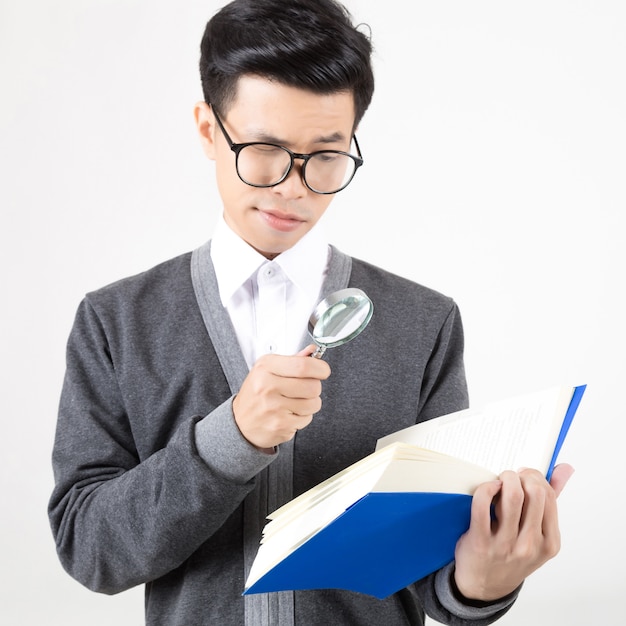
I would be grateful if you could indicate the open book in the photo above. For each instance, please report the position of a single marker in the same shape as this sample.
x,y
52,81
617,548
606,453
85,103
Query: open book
x,y
396,515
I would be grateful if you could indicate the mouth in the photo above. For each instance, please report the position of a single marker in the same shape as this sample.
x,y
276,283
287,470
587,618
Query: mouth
x,y
283,222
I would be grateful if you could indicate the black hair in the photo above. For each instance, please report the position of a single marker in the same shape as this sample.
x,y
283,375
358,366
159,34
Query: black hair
x,y
308,44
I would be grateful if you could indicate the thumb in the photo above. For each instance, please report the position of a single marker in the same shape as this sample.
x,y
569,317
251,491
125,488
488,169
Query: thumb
x,y
308,351
560,475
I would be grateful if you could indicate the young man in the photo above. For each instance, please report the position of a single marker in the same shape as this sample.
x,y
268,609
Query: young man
x,y
191,407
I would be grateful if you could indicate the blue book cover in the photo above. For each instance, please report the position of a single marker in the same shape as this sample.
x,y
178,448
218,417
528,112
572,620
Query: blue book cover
x,y
381,544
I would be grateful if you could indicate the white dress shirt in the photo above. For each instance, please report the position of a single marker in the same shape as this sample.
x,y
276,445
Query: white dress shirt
x,y
269,302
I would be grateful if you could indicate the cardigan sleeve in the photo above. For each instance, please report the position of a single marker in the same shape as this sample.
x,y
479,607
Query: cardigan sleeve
x,y
119,521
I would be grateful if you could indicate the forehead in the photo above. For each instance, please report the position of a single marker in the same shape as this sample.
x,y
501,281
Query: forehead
x,y
272,106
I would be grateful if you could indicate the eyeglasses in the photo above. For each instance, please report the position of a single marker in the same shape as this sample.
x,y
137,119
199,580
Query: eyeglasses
x,y
261,164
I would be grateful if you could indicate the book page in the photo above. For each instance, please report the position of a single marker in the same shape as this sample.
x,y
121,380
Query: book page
x,y
514,433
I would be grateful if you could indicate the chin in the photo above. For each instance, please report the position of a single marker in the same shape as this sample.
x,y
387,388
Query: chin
x,y
272,251
271,254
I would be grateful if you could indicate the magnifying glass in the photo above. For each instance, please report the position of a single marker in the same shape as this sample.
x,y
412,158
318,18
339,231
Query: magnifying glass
x,y
339,318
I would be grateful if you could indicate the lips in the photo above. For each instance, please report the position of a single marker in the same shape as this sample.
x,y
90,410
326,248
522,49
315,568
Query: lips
x,y
284,222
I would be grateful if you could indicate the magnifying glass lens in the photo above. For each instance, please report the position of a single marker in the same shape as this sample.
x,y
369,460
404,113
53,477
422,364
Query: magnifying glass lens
x,y
339,318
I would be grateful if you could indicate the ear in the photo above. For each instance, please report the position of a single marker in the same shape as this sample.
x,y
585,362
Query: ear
x,y
205,123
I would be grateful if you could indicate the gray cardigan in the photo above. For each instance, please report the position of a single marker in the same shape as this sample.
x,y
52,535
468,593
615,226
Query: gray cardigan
x,y
154,483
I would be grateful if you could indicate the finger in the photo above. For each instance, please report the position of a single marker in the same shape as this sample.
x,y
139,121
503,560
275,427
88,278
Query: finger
x,y
304,408
297,366
539,529
308,351
299,388
535,494
300,422
509,507
550,527
560,476
480,521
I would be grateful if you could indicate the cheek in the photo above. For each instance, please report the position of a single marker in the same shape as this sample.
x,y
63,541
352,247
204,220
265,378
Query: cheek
x,y
229,184
321,205
238,201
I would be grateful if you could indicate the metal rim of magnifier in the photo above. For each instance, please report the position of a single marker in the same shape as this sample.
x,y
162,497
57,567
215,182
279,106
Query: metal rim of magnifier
x,y
336,298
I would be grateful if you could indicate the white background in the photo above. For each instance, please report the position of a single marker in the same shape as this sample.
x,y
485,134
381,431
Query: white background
x,y
495,172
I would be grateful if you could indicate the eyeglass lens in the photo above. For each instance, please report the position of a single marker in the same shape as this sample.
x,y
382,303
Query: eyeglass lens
x,y
266,165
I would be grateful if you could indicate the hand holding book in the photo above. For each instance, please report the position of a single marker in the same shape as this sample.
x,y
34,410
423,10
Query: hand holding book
x,y
501,549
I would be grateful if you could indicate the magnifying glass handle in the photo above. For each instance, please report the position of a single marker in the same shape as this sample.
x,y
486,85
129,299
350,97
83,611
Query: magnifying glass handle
x,y
319,352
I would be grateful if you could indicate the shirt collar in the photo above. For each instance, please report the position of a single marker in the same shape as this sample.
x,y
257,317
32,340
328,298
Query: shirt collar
x,y
235,261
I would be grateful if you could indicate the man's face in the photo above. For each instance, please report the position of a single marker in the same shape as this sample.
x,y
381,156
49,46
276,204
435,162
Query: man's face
x,y
274,219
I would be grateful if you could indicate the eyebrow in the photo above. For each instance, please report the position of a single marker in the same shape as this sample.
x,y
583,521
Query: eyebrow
x,y
265,137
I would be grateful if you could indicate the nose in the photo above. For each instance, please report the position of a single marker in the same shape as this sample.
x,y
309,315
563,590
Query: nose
x,y
293,186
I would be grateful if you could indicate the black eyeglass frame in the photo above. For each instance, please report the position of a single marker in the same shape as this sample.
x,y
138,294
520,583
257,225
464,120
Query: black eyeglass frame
x,y
238,147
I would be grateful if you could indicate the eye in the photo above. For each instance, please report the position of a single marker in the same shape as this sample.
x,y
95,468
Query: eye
x,y
265,149
327,157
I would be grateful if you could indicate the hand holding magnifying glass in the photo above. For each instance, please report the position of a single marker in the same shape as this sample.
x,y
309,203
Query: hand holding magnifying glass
x,y
339,318
292,400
